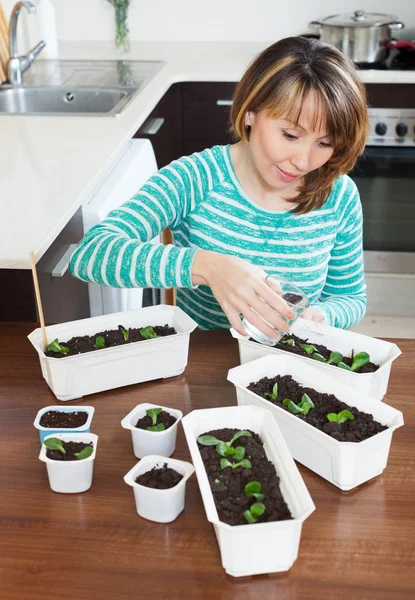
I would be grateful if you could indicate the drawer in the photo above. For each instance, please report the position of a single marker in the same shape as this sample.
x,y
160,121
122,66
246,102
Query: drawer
x,y
206,109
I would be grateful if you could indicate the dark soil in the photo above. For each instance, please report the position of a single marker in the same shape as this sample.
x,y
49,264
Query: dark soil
x,y
228,485
70,447
325,352
363,426
292,298
63,420
160,478
164,417
112,337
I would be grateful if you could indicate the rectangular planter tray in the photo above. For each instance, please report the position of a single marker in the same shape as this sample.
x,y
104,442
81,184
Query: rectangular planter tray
x,y
381,353
76,376
345,464
262,547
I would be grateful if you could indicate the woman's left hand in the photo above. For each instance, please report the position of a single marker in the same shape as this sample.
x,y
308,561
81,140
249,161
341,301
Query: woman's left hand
x,y
313,314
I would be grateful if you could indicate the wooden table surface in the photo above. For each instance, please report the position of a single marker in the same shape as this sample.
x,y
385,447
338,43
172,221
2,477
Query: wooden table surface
x,y
357,545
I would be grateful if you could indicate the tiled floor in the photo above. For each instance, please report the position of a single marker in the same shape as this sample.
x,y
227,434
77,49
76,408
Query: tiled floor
x,y
386,327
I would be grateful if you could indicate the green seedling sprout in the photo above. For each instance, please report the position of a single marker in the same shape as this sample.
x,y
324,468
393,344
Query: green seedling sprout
x,y
126,334
252,515
246,464
99,342
54,444
217,481
309,348
148,333
225,448
290,342
274,394
303,407
253,488
85,453
341,417
335,358
318,356
55,346
360,360
153,413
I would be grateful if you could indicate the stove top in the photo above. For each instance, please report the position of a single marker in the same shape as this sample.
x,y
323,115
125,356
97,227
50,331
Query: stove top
x,y
398,60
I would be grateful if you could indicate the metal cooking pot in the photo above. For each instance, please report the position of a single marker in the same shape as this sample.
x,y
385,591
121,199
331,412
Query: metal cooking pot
x,y
363,37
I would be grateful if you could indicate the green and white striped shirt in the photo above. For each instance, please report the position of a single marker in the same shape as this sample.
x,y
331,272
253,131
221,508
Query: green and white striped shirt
x,y
200,198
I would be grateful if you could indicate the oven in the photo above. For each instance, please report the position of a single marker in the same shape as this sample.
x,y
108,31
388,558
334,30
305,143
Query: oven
x,y
385,177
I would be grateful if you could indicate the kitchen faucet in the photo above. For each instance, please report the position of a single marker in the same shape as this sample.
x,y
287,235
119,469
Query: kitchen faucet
x,y
19,64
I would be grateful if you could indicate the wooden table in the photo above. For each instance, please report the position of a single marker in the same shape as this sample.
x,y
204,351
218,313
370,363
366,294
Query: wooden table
x,y
357,545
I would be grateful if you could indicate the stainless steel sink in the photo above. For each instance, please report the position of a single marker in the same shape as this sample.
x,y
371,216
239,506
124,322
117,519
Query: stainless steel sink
x,y
63,101
77,87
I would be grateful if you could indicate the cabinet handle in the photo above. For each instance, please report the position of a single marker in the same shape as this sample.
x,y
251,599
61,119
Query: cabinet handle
x,y
152,126
224,102
62,265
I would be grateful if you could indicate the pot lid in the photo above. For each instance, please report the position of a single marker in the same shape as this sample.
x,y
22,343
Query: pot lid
x,y
359,18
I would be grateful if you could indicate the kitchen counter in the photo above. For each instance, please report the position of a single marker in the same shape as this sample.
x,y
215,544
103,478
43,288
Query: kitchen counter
x,y
357,544
49,165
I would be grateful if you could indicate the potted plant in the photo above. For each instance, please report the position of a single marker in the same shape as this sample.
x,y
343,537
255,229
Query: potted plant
x,y
106,368
341,347
345,464
153,429
69,459
159,485
253,547
63,419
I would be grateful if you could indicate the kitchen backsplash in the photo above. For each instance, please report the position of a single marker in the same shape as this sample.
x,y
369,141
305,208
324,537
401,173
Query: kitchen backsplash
x,y
215,20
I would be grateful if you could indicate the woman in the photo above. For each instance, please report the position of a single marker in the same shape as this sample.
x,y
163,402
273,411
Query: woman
x,y
276,202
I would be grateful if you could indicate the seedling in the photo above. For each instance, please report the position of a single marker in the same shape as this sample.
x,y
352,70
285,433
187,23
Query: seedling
x,y
290,342
308,348
225,448
335,358
302,407
252,515
253,488
318,356
246,464
99,342
125,332
274,394
360,360
56,444
55,346
148,333
341,417
153,413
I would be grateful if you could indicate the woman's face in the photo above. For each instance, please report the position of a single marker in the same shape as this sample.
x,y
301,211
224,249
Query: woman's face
x,y
282,152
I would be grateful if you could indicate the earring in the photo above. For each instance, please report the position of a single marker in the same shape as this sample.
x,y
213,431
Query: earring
x,y
247,121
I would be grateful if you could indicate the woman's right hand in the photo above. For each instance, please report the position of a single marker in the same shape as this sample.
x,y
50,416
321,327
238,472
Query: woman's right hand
x,y
238,286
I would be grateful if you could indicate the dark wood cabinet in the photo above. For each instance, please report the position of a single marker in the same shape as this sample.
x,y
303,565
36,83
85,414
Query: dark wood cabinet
x,y
164,127
63,298
206,107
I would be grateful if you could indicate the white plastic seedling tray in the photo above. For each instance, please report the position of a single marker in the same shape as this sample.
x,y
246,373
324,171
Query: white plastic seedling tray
x,y
345,464
146,442
162,506
72,476
262,547
76,376
381,353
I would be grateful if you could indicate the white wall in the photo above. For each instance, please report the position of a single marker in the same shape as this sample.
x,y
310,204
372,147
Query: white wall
x,y
213,20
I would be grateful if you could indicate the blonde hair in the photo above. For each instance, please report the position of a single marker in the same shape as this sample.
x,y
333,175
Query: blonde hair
x,y
279,80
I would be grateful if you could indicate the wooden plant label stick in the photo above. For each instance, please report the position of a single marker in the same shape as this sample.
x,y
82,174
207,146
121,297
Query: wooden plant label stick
x,y
38,300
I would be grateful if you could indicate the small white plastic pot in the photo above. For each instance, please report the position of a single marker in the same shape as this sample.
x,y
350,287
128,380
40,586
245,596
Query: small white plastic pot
x,y
146,442
262,547
45,431
74,476
82,374
345,464
162,506
381,353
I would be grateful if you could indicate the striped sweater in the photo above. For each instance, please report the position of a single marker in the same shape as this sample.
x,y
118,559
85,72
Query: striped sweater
x,y
200,198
